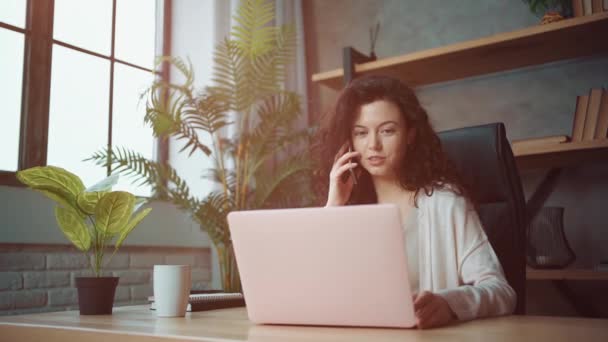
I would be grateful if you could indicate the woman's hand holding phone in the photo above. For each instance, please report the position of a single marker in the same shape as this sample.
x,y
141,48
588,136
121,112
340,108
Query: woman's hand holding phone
x,y
342,177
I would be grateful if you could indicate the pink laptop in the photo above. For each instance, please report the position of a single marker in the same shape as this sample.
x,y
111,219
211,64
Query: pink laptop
x,y
340,266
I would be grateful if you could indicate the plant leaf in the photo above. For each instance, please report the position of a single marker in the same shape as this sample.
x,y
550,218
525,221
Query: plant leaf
x,y
62,202
211,214
113,212
254,36
139,201
130,226
73,227
87,201
56,180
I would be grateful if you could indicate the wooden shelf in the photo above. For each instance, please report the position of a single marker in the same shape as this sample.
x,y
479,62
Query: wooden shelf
x,y
566,274
566,39
557,155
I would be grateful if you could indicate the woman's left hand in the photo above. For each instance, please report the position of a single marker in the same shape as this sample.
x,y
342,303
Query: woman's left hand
x,y
432,311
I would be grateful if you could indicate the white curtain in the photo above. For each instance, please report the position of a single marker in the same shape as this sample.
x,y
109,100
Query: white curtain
x,y
287,12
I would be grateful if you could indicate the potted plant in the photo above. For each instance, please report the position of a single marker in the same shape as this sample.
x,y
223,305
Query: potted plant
x,y
90,219
265,164
550,10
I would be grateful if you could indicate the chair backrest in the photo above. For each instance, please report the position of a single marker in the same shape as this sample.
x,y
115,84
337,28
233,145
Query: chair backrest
x,y
483,156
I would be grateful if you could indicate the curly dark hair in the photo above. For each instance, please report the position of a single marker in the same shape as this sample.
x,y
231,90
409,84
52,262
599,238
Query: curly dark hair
x,y
428,167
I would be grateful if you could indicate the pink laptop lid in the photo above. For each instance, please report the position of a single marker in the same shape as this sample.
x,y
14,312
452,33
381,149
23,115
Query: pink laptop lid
x,y
324,266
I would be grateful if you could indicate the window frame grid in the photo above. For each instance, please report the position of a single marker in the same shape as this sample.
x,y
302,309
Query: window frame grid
x,y
36,84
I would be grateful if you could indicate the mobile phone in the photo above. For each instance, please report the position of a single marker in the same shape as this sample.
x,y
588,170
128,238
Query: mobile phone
x,y
352,172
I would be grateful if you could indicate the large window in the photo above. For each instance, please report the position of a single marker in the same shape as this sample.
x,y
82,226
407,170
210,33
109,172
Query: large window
x,y
12,37
93,59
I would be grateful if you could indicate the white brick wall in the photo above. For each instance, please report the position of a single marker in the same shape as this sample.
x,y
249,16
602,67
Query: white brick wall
x,y
40,278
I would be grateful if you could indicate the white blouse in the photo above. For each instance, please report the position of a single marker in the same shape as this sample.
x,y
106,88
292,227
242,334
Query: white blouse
x,y
454,257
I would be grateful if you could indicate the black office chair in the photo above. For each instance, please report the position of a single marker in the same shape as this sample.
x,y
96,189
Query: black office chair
x,y
484,158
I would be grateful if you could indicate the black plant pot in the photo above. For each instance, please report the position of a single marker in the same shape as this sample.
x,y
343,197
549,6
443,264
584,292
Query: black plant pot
x,y
96,295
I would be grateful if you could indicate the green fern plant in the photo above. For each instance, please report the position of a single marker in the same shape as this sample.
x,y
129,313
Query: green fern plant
x,y
264,165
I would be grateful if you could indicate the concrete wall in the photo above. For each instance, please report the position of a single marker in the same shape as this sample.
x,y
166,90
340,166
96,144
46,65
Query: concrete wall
x,y
534,101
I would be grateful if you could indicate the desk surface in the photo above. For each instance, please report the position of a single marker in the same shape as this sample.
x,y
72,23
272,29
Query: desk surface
x,y
138,323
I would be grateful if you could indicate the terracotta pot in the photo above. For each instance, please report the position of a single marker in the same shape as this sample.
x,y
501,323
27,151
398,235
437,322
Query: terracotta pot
x,y
96,295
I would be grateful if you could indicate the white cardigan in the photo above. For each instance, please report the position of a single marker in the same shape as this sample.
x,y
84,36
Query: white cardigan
x,y
456,260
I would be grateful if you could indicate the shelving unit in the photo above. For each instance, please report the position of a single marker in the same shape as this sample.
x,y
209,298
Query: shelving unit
x,y
566,39
566,274
563,40
558,155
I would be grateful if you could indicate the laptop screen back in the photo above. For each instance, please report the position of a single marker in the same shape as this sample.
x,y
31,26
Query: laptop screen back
x,y
324,266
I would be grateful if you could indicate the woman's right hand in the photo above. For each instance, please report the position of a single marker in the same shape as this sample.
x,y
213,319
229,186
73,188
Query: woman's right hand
x,y
339,190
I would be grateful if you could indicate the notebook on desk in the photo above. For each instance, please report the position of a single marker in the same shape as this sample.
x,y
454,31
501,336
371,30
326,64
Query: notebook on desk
x,y
209,300
339,266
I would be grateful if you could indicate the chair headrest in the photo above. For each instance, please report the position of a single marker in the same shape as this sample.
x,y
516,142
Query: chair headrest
x,y
478,152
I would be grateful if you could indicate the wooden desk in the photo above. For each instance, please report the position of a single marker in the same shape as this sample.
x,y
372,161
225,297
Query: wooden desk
x,y
137,323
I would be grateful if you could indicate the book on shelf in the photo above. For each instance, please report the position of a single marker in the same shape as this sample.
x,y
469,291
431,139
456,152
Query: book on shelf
x,y
209,301
593,110
578,124
540,141
601,131
587,7
597,6
577,8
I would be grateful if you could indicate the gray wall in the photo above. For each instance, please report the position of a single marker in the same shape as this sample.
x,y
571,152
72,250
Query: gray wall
x,y
534,101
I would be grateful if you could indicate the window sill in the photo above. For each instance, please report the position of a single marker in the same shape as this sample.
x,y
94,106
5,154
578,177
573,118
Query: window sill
x,y
27,217
9,178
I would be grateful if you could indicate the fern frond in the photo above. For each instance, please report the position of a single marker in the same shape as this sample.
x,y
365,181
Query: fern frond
x,y
211,214
166,183
266,186
215,175
270,69
273,129
210,114
188,133
252,33
184,67
163,116
233,83
177,190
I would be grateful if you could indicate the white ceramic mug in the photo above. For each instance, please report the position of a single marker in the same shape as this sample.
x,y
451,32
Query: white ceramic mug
x,y
171,289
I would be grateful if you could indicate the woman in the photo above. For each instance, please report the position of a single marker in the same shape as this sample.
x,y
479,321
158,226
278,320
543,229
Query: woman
x,y
387,152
